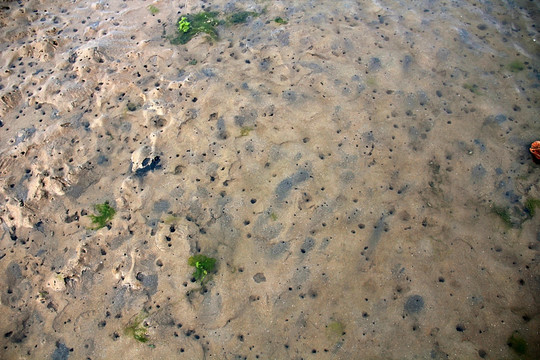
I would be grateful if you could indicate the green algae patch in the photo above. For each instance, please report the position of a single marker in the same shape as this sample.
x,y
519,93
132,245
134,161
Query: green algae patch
x,y
472,88
241,17
517,343
244,131
153,10
518,216
183,25
371,82
530,205
281,21
204,265
106,213
516,66
137,329
335,330
171,219
503,214
190,25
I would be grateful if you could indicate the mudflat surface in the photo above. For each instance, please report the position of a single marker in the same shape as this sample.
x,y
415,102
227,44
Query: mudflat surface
x,y
360,173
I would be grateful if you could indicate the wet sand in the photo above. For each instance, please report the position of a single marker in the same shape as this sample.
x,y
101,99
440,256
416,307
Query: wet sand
x,y
360,173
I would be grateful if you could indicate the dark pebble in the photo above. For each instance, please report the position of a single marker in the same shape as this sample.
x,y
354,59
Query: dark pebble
x,y
259,278
482,353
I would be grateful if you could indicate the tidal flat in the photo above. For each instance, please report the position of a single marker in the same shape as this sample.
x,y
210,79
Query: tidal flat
x,y
269,179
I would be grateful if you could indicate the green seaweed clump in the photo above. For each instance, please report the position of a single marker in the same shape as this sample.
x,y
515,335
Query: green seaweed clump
x,y
516,66
191,25
530,205
184,25
241,17
517,343
503,214
106,213
335,330
153,10
137,329
203,266
472,88
281,21
245,130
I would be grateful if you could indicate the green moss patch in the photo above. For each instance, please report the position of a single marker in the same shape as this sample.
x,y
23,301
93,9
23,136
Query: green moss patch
x,y
153,10
281,21
517,343
190,25
204,265
137,329
106,213
244,131
472,88
530,206
334,330
516,66
241,17
503,213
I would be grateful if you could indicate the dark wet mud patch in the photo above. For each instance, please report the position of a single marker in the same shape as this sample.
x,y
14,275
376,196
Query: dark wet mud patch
x,y
61,352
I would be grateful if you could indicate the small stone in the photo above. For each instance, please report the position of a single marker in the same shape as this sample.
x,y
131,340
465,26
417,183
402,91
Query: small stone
x,y
259,278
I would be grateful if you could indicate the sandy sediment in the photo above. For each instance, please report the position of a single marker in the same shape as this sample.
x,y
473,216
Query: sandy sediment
x,y
360,173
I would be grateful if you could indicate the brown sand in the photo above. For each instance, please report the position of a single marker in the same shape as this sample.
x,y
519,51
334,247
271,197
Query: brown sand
x,y
348,170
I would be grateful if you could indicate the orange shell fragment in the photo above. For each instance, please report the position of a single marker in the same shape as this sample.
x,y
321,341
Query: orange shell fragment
x,y
535,149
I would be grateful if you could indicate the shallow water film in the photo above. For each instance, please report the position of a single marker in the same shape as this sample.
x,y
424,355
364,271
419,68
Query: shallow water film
x,y
269,179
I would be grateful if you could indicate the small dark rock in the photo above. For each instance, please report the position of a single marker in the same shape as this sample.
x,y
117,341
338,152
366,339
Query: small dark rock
x,y
259,278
